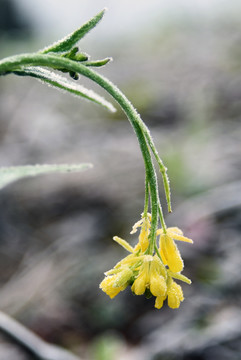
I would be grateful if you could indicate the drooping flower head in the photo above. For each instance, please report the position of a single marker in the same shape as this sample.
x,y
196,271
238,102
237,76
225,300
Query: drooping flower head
x,y
149,274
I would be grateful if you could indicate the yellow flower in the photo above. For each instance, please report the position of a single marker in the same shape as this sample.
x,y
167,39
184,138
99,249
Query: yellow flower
x,y
107,285
118,278
174,295
152,276
168,249
142,280
140,223
159,301
145,224
158,286
148,273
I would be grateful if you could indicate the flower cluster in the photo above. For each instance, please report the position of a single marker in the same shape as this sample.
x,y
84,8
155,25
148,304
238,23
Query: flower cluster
x,y
149,274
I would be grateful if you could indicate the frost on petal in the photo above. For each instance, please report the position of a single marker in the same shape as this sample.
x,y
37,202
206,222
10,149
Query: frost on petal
x,y
159,302
158,286
175,230
135,226
123,243
143,239
179,277
107,286
146,220
180,238
175,295
129,259
123,277
151,274
171,253
142,280
139,285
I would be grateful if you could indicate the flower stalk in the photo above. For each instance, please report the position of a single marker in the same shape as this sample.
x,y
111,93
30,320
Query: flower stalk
x,y
151,267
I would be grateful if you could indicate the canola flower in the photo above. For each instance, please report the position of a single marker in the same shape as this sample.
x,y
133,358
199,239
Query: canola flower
x,y
149,274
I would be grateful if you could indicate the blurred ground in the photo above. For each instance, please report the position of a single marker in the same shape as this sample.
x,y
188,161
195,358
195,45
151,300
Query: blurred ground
x,y
185,80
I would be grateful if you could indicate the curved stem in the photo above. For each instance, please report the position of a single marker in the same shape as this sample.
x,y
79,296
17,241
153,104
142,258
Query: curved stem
x,y
16,62
143,135
146,198
163,169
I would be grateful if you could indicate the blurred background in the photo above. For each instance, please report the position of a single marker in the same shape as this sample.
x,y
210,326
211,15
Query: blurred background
x,y
179,63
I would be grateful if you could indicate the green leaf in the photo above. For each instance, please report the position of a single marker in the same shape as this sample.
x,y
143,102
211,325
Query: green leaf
x,y
61,82
70,40
97,63
14,173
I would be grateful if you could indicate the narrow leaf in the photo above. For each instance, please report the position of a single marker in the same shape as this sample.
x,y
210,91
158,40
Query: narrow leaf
x,y
70,40
62,83
97,63
14,173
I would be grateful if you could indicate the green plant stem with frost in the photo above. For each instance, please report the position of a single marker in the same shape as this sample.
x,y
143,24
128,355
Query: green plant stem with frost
x,y
147,271
19,62
63,57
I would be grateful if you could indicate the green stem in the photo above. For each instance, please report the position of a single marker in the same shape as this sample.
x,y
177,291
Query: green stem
x,y
146,198
163,169
20,61
163,224
17,62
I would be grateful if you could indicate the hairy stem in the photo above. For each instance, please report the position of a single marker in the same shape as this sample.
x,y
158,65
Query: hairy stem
x,y
19,62
146,198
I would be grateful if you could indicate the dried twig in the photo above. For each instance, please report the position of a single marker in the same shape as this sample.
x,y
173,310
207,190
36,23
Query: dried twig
x,y
32,342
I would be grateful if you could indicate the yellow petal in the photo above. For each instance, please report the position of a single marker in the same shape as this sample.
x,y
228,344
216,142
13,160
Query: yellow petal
x,y
140,222
139,285
159,302
173,301
135,226
181,238
163,256
137,247
175,230
142,280
107,286
143,239
179,277
123,277
129,259
112,272
158,286
157,265
171,254
123,243
175,295
178,290
161,247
